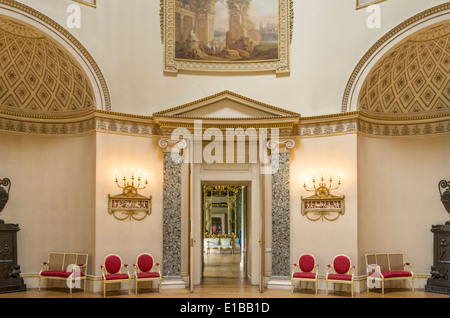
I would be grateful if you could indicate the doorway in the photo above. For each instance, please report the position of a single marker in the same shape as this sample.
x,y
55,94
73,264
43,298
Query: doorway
x,y
224,228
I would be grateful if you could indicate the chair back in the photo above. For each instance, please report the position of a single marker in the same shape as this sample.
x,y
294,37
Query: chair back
x,y
55,261
113,264
145,262
342,264
396,262
307,262
225,241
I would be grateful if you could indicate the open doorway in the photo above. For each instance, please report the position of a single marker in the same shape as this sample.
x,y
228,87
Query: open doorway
x,y
224,234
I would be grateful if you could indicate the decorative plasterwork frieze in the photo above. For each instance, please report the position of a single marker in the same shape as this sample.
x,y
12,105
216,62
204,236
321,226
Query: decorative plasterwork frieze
x,y
327,125
94,120
358,122
306,127
425,126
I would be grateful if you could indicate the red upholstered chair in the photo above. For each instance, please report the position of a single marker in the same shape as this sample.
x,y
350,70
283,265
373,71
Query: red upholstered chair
x,y
343,272
307,271
144,270
112,272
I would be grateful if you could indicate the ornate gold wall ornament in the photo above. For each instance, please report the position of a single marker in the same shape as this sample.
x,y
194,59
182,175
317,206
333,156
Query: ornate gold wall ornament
x,y
90,3
179,32
123,207
323,205
360,4
330,208
130,204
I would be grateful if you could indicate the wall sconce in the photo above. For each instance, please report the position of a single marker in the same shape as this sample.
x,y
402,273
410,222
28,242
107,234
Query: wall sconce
x,y
129,189
130,204
323,205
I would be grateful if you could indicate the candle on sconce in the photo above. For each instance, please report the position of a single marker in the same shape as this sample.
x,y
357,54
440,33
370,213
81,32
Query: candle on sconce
x,y
314,174
115,174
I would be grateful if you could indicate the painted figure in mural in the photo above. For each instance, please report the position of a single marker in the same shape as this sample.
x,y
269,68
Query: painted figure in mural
x,y
226,30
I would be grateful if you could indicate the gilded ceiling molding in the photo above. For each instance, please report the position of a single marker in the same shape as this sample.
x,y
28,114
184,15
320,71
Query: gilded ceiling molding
x,y
327,125
92,121
24,13
351,93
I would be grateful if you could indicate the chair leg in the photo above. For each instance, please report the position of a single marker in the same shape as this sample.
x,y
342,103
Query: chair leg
x,y
39,283
129,287
104,290
382,287
160,285
326,288
412,284
136,287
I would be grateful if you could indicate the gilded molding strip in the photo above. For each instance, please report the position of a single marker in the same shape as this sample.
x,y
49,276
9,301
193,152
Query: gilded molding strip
x,y
319,126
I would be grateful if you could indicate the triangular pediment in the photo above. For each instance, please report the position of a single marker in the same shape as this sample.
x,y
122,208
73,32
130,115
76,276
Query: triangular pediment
x,y
226,106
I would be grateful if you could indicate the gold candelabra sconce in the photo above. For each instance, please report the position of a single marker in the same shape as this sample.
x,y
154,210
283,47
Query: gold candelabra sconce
x,y
323,205
130,189
130,204
322,190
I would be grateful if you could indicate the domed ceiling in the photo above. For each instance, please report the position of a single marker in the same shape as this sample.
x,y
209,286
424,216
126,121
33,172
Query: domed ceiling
x,y
38,74
413,77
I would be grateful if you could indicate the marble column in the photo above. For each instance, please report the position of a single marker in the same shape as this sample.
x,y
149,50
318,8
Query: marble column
x,y
171,266
281,266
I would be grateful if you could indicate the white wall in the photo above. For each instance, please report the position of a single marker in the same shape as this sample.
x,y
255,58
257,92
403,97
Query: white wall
x,y
127,238
330,37
325,239
398,195
52,195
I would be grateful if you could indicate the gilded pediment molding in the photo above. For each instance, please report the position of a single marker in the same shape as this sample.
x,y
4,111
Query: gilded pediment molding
x,y
181,110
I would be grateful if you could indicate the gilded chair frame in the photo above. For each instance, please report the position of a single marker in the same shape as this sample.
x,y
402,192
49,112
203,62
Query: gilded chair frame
x,y
105,272
390,266
351,271
301,279
73,277
137,270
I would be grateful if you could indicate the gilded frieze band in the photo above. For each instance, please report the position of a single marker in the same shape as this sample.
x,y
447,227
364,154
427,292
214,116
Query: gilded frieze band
x,y
316,126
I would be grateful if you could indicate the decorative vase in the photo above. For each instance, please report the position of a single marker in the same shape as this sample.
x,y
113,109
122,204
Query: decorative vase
x,y
445,196
4,195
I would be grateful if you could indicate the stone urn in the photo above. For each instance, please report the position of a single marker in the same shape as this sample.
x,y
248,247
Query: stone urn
x,y
4,195
445,196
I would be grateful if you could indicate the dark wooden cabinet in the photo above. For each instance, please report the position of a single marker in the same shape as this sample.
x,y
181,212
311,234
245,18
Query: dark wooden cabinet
x,y
439,282
10,280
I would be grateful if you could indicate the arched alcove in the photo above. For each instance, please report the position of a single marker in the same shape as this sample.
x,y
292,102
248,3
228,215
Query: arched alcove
x,y
426,26
46,70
